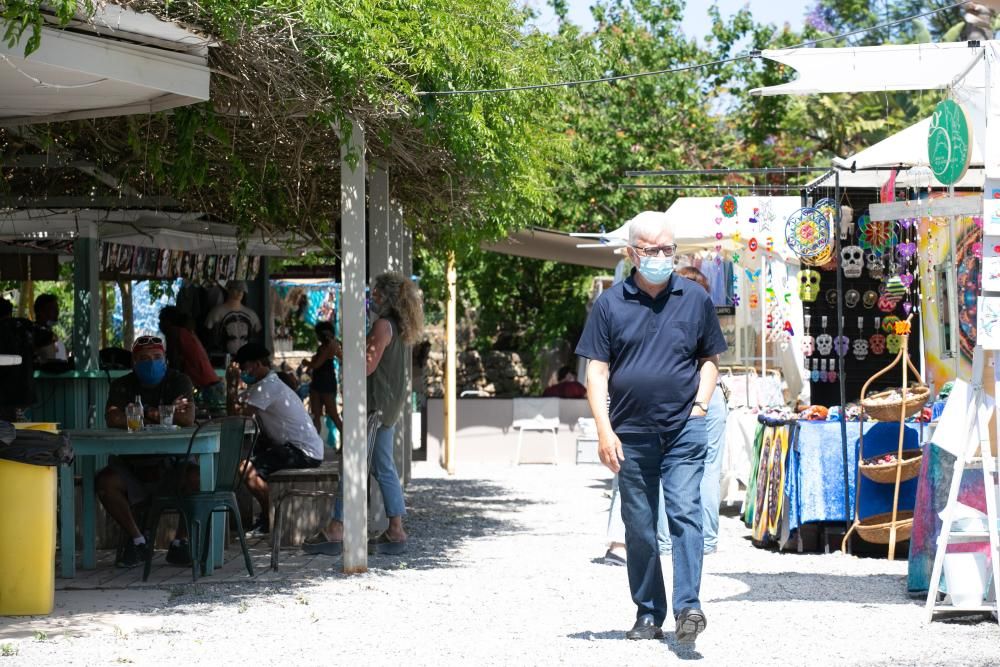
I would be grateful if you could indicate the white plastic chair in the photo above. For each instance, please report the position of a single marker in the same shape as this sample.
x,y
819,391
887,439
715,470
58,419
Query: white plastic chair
x,y
536,414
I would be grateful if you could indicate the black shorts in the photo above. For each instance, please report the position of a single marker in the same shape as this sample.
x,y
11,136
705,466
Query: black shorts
x,y
282,457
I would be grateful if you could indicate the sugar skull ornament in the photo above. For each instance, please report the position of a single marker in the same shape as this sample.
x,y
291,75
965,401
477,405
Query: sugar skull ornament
x,y
860,349
808,285
852,259
876,268
893,343
851,298
824,343
876,344
842,344
808,346
869,299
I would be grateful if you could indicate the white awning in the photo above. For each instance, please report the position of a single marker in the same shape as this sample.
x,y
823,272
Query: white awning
x,y
120,63
554,246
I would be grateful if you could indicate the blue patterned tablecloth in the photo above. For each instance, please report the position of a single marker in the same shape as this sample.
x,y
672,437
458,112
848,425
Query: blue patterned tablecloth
x,y
815,481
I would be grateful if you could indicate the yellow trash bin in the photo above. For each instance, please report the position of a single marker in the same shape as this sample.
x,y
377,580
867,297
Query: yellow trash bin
x,y
27,536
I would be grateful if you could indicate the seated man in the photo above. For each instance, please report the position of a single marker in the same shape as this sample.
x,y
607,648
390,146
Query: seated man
x,y
131,480
567,386
291,439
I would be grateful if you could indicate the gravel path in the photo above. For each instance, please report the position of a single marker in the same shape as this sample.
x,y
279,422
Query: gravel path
x,y
503,570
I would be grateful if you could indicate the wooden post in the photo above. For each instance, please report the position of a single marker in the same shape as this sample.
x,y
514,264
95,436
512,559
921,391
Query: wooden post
x,y
451,367
355,442
378,263
407,269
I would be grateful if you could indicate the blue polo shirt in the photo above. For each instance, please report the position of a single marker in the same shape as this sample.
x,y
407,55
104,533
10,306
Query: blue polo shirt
x,y
652,347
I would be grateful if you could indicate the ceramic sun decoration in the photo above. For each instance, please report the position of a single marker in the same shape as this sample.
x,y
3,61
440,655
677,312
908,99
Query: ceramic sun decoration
x,y
852,259
808,285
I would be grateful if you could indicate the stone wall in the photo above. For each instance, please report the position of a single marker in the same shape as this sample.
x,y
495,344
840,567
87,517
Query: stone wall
x,y
494,373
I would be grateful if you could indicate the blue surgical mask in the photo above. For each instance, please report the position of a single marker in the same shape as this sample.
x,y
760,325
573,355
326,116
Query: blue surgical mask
x,y
248,378
656,270
151,371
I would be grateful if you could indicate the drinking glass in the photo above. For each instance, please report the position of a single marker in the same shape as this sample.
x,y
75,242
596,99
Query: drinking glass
x,y
133,417
167,415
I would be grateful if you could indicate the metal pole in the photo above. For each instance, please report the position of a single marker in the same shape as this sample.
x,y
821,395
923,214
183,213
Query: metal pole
x,y
355,443
840,332
451,367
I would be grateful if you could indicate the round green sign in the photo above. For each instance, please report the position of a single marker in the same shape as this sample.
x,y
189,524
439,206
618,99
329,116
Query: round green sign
x,y
949,142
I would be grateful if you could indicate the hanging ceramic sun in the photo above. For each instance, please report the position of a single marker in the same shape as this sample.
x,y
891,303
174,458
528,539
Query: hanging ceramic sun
x,y
827,207
877,236
728,206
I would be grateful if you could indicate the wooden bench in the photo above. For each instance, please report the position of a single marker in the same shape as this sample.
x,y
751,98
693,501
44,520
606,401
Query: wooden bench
x,y
303,496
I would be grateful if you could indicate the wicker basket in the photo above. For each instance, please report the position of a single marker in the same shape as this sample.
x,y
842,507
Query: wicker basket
x,y
879,405
875,529
886,473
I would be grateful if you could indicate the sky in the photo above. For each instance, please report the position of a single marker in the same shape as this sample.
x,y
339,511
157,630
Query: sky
x,y
696,21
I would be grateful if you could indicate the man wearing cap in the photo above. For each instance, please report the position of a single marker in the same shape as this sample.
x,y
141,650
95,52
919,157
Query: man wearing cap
x,y
291,438
232,324
653,342
130,480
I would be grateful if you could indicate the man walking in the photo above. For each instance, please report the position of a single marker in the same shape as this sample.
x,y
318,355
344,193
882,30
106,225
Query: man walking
x,y
653,342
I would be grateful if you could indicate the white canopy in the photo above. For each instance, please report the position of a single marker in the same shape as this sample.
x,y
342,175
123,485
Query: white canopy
x,y
695,228
950,66
119,63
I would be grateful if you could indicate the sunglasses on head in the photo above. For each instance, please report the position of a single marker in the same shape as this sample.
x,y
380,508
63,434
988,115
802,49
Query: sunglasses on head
x,y
147,340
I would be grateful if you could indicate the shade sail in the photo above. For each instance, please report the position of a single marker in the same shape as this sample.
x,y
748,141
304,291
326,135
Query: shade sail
x,y
548,244
876,68
967,72
120,63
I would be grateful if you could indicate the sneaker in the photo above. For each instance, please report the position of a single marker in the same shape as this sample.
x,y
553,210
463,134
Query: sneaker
x,y
179,553
132,554
260,528
690,623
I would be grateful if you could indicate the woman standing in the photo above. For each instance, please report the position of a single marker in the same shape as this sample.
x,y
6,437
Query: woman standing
x,y
399,320
323,387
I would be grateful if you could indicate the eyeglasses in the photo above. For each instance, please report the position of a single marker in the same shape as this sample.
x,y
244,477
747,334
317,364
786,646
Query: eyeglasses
x,y
147,340
654,250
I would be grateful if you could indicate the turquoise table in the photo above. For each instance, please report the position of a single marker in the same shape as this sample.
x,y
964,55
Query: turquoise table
x,y
88,446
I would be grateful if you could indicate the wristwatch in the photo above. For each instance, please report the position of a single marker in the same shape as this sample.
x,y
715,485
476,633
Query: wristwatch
x,y
701,405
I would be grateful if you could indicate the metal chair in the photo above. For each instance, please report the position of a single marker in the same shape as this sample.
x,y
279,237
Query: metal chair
x,y
197,507
536,414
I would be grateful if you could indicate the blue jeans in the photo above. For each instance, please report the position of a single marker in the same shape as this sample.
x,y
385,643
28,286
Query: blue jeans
x,y
715,423
384,471
670,464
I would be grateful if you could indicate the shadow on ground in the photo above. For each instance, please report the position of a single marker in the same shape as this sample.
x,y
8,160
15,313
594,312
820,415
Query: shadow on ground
x,y
682,651
795,586
442,515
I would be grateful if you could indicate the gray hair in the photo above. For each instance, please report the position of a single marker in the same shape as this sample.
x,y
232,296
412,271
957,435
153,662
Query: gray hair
x,y
647,223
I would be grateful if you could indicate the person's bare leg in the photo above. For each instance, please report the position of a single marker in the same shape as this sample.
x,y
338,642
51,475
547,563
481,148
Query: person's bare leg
x,y
258,489
617,548
334,531
316,408
395,531
114,496
330,405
